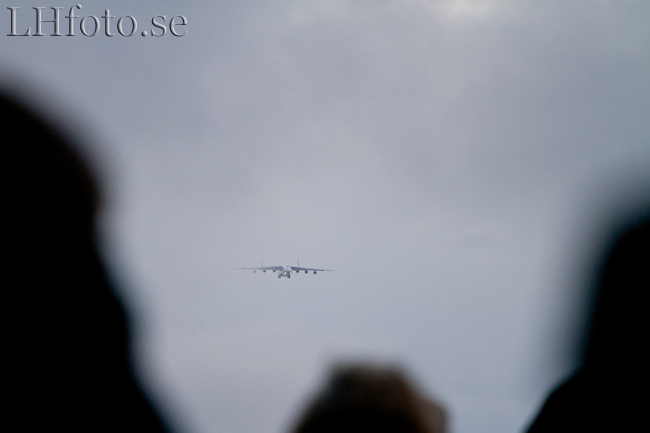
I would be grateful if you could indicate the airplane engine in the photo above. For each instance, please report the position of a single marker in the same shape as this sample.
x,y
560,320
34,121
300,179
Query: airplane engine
x,y
314,272
264,271
306,272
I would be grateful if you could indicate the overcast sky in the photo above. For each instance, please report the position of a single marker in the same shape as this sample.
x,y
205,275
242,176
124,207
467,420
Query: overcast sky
x,y
450,160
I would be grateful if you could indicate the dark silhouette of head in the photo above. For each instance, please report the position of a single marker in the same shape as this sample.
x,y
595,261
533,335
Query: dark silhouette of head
x,y
619,322
68,352
373,399
604,394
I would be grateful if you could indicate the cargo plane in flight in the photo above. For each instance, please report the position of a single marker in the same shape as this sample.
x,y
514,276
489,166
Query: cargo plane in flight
x,y
286,270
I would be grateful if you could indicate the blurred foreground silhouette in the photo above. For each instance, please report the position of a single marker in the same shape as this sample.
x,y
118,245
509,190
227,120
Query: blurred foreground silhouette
x,y
68,353
373,399
606,393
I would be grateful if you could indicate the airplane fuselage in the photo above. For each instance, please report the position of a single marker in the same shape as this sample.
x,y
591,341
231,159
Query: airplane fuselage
x,y
285,271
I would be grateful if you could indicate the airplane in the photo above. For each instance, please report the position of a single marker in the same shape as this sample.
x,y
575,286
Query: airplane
x,y
286,270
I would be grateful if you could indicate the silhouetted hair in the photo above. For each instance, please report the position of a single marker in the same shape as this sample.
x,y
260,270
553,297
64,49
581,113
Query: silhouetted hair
x,y
619,322
68,342
373,399
605,394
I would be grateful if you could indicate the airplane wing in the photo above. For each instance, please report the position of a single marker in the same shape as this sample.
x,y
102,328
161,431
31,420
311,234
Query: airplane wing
x,y
300,268
264,268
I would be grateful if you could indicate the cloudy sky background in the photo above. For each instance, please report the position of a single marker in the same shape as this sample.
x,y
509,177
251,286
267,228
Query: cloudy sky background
x,y
451,160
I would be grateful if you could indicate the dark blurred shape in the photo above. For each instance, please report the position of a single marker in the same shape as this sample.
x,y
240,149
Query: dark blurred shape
x,y
67,359
607,393
373,399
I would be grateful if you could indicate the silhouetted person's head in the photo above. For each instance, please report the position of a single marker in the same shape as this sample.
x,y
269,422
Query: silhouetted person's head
x,y
619,322
68,362
366,398
606,393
